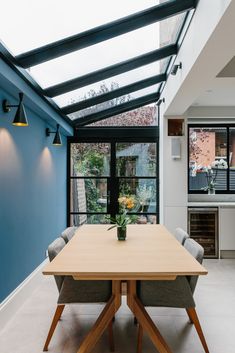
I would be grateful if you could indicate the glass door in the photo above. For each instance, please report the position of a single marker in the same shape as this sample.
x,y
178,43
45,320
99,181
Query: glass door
x,y
89,182
102,172
136,173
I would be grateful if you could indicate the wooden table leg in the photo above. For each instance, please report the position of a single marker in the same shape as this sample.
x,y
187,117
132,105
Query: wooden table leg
x,y
144,319
194,319
103,320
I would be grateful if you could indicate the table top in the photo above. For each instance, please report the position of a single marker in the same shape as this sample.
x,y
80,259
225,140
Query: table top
x,y
149,252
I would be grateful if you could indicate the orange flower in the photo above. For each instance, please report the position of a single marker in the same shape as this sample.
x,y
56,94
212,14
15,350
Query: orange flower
x,y
130,204
126,202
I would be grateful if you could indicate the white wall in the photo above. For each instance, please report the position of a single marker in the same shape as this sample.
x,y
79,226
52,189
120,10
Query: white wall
x,y
203,53
174,181
206,49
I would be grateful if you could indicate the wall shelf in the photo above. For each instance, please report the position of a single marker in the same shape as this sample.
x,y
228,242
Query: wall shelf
x,y
175,127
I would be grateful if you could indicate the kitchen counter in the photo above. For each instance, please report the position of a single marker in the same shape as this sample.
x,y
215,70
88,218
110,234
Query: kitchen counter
x,y
210,204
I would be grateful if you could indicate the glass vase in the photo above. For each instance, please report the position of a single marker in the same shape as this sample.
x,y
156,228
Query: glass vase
x,y
211,191
121,233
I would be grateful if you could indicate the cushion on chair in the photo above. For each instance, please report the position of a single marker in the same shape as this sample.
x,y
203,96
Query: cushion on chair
x,y
53,250
175,294
181,235
68,233
197,251
73,291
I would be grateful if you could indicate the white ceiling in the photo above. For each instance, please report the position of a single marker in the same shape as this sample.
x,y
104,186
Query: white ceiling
x,y
204,54
220,92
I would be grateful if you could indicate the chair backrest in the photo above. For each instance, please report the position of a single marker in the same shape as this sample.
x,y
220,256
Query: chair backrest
x,y
68,233
53,250
181,235
197,251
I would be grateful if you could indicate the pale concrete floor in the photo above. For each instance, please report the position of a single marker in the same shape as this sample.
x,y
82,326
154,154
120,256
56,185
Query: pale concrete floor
x,y
215,298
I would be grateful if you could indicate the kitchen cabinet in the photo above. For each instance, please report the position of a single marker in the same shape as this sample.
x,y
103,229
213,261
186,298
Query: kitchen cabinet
x,y
227,227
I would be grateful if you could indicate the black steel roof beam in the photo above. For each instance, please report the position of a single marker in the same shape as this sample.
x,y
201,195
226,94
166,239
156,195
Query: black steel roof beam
x,y
104,32
118,109
113,94
112,70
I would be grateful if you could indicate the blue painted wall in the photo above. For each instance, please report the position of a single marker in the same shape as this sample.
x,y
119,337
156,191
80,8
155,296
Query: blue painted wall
x,y
32,195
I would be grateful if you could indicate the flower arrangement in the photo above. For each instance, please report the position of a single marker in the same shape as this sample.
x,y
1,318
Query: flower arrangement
x,y
211,173
211,179
221,164
121,220
126,202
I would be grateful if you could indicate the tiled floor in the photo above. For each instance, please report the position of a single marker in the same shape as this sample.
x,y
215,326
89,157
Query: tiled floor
x,y
215,298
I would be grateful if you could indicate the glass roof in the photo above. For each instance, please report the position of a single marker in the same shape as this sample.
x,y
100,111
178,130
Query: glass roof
x,y
113,102
97,56
143,116
117,81
50,21
104,54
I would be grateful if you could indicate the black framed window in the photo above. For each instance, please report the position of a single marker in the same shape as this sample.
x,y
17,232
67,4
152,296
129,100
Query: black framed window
x,y
107,164
211,147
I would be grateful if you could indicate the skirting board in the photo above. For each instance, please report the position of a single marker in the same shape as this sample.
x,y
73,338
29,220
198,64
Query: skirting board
x,y
17,298
227,254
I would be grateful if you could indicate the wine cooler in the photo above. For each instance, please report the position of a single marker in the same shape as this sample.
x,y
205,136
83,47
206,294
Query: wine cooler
x,y
203,228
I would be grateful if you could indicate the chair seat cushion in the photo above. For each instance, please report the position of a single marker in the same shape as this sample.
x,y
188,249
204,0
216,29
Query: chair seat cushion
x,y
175,294
73,291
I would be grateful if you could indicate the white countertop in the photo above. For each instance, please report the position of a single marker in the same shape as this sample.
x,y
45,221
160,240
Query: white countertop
x,y
217,200
210,204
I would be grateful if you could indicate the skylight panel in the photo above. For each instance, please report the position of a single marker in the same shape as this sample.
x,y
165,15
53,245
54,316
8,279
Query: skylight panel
x,y
37,23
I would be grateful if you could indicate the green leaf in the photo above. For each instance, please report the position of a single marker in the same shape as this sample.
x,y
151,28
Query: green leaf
x,y
112,227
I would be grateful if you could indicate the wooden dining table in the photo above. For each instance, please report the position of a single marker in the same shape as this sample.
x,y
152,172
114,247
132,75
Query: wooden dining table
x,y
150,252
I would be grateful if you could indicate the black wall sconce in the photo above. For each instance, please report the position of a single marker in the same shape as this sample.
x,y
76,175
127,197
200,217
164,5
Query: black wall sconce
x,y
20,116
57,138
162,100
175,68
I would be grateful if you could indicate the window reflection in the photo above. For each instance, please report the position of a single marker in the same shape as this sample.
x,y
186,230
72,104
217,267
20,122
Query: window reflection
x,y
207,150
136,159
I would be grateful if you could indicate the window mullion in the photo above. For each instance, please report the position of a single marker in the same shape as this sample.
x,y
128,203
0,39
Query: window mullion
x,y
228,153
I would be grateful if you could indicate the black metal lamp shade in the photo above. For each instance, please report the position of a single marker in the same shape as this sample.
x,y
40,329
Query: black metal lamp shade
x,y
57,139
20,118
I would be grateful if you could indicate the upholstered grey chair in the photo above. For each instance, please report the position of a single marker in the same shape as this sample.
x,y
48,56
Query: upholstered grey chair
x,y
71,291
176,294
181,235
68,233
